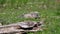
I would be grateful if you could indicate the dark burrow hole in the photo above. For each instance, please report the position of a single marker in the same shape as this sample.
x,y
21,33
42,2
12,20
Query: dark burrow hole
x,y
27,28
24,33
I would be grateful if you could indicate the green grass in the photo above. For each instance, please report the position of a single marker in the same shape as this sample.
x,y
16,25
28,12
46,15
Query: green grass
x,y
11,9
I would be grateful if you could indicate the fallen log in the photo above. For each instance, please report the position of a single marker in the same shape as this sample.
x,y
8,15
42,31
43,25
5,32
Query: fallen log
x,y
15,28
11,30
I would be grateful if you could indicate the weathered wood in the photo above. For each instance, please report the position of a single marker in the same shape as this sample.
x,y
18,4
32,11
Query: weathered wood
x,y
15,31
12,28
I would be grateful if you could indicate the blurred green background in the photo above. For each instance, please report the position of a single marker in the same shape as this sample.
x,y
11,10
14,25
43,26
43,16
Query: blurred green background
x,y
49,9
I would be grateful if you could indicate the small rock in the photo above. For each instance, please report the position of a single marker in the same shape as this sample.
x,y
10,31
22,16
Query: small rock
x,y
31,15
